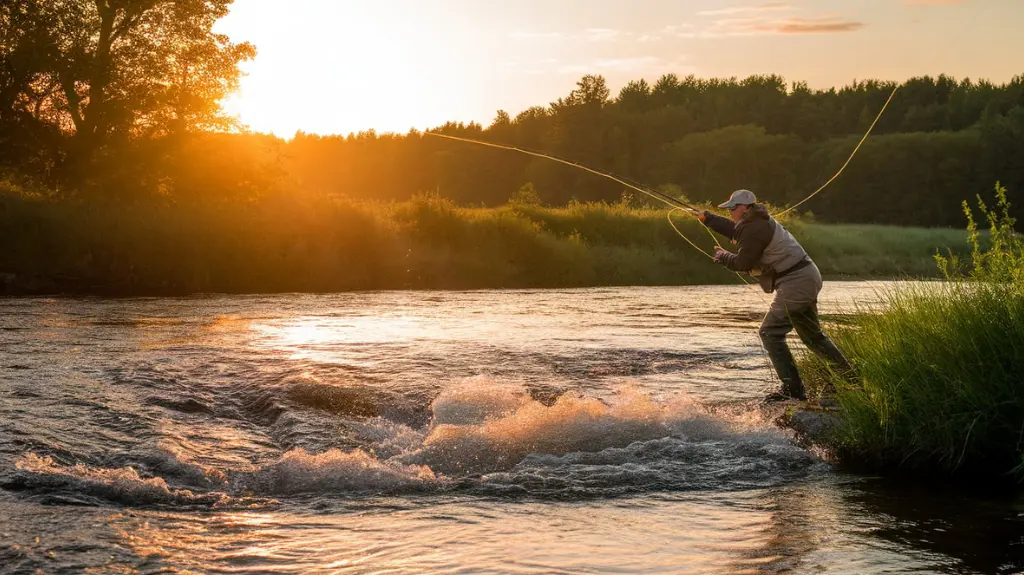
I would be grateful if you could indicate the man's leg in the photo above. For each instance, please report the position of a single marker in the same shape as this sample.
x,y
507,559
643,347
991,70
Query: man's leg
x,y
808,327
773,332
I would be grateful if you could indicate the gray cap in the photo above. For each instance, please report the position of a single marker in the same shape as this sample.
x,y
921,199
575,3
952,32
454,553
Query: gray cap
x,y
739,197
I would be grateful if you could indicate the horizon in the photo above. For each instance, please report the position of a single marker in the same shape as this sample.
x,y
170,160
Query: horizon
x,y
503,57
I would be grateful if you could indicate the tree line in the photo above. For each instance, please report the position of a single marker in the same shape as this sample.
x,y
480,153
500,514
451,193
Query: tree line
x,y
940,141
119,101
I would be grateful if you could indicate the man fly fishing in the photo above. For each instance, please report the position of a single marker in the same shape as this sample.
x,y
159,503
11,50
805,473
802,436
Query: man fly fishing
x,y
770,253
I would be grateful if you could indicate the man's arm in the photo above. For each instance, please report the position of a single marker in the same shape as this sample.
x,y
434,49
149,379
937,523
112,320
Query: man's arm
x,y
753,238
719,224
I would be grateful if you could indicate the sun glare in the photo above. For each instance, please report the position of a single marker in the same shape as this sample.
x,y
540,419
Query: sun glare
x,y
336,67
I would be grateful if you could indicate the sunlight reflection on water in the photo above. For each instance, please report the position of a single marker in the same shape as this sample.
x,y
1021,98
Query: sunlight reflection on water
x,y
563,431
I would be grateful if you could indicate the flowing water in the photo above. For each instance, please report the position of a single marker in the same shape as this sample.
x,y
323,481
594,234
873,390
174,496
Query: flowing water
x,y
559,431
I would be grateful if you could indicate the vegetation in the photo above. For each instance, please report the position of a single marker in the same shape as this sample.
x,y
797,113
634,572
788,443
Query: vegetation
x,y
118,101
297,242
940,370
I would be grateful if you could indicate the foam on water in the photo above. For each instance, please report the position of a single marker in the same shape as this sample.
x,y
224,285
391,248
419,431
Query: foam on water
x,y
336,471
122,484
172,459
489,434
484,429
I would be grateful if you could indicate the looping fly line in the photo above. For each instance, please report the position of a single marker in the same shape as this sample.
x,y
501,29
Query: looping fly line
x,y
675,203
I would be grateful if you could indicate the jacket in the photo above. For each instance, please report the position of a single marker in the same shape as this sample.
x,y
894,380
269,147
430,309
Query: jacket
x,y
765,248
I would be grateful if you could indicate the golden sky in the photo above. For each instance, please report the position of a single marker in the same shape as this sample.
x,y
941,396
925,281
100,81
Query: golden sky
x,y
341,66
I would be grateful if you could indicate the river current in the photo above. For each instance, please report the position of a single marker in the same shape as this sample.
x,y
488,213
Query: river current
x,y
608,430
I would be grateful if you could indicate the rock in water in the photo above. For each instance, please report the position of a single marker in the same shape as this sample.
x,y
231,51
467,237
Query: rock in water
x,y
813,425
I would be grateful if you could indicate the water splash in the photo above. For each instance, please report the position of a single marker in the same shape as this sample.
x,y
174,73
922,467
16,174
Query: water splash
x,y
336,471
122,485
487,435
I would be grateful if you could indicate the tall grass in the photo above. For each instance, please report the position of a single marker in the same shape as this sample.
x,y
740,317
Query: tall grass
x,y
299,242
941,369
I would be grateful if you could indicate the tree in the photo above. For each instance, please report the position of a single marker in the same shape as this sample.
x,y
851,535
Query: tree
x,y
501,120
590,90
104,71
635,95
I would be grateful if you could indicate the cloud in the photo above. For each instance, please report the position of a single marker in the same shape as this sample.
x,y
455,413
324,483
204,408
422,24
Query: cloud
x,y
790,25
735,10
919,3
764,19
602,35
826,25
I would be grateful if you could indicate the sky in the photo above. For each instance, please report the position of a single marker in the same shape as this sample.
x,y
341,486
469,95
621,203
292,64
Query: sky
x,y
342,66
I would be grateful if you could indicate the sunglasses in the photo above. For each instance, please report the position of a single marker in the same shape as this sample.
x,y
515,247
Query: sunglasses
x,y
736,207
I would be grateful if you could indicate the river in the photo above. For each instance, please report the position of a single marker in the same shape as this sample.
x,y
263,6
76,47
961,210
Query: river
x,y
606,430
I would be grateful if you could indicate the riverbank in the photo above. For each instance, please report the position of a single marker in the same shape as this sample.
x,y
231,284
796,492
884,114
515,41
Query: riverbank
x,y
938,388
938,371
306,244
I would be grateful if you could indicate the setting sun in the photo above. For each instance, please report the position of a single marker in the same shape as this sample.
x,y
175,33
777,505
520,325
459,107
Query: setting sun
x,y
335,67
349,66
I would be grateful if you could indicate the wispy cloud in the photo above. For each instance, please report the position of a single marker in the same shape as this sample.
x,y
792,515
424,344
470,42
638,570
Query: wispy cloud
x,y
827,24
765,19
747,10
602,35
919,3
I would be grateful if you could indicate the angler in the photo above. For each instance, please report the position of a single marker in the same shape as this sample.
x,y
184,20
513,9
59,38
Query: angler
x,y
770,253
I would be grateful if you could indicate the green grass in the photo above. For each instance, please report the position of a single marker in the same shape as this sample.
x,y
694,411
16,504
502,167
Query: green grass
x,y
873,251
940,370
940,380
303,243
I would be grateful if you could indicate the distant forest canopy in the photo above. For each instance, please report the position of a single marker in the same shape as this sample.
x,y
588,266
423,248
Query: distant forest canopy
x,y
939,142
119,101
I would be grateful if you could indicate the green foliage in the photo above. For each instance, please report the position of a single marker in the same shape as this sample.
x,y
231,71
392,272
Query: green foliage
x,y
940,368
525,196
1003,260
940,372
82,79
938,140
707,137
314,242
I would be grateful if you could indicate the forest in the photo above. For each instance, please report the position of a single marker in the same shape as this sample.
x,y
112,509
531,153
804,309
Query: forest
x,y
120,102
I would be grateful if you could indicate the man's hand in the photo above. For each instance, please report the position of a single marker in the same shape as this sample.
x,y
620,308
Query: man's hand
x,y
719,253
702,215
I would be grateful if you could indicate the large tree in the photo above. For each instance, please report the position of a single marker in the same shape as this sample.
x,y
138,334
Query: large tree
x,y
109,71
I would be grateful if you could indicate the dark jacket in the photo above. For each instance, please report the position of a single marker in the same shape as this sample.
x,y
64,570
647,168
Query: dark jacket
x,y
752,235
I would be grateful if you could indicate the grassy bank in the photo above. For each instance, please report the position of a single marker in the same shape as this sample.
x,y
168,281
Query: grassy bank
x,y
299,243
940,370
939,388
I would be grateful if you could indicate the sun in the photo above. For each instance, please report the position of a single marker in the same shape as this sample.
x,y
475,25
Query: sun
x,y
340,66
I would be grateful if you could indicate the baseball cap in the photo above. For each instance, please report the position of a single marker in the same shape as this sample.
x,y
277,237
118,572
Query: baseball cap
x,y
739,197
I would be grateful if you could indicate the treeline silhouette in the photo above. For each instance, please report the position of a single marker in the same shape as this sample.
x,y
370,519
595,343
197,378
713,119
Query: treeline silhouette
x,y
119,102
940,141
